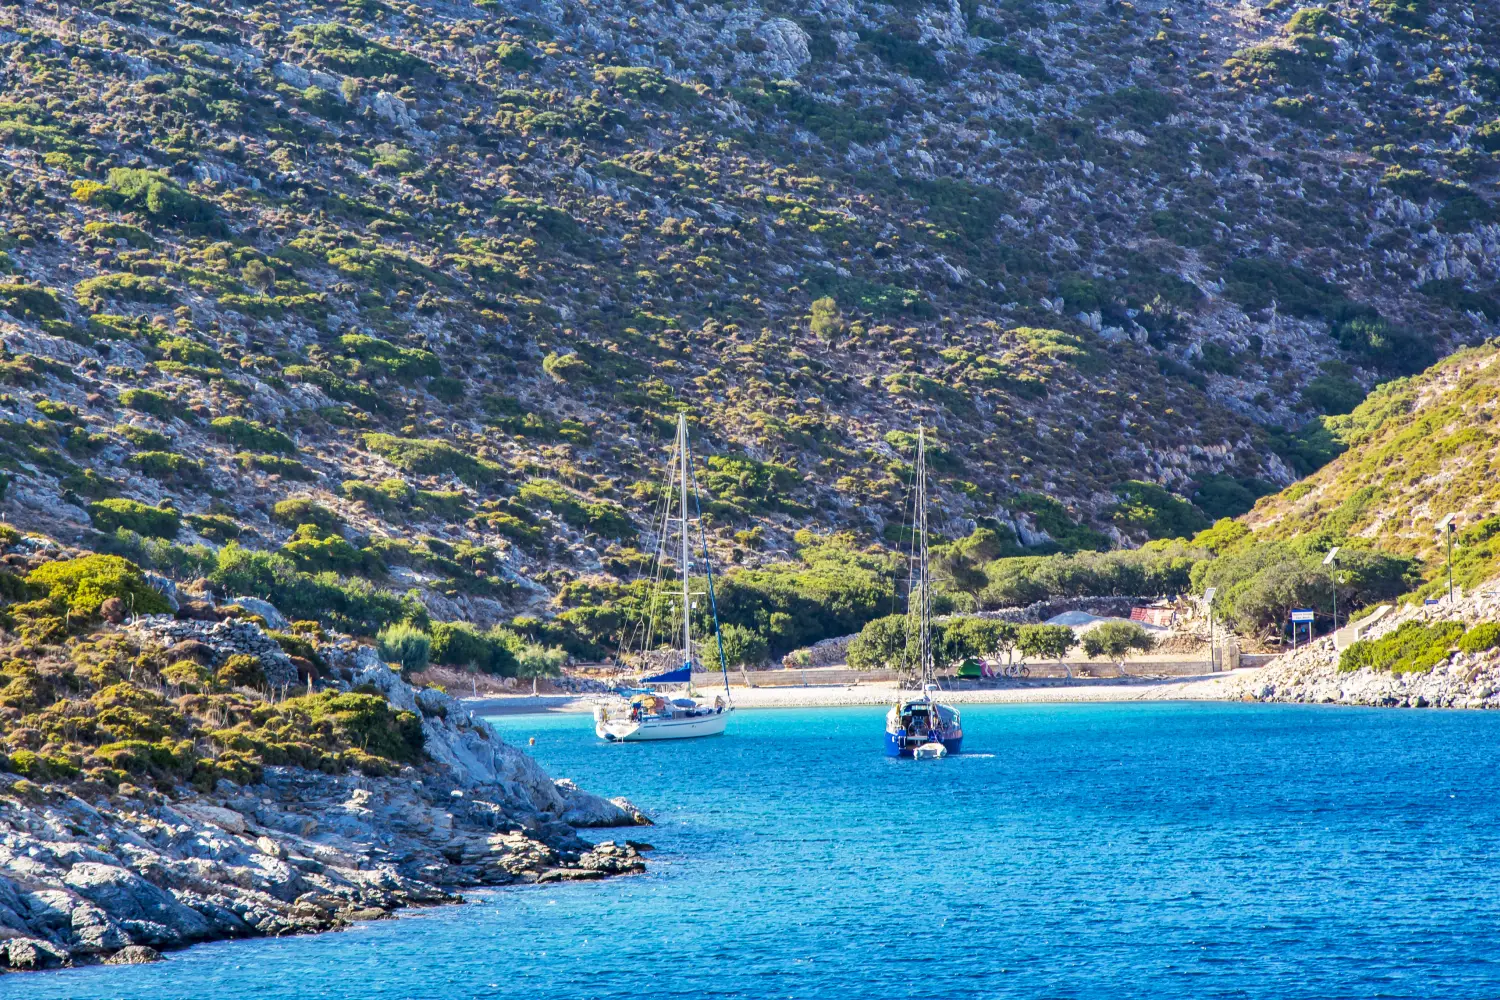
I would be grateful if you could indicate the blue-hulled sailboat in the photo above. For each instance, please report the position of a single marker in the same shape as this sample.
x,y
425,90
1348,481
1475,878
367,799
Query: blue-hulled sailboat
x,y
921,727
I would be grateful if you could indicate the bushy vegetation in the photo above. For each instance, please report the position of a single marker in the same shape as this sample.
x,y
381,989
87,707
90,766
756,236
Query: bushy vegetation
x,y
112,514
1156,568
1117,640
893,642
1412,648
152,194
432,457
1260,581
79,587
353,604
459,644
405,644
253,435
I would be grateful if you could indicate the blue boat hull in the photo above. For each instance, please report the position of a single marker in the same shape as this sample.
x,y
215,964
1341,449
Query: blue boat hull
x,y
893,747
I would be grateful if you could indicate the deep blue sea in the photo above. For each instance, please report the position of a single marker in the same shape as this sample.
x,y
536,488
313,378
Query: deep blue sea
x,y
1079,851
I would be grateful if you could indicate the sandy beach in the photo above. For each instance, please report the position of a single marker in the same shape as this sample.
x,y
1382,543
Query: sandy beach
x,y
1205,687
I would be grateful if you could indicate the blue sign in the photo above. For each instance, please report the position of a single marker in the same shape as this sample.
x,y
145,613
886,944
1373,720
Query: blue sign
x,y
1302,614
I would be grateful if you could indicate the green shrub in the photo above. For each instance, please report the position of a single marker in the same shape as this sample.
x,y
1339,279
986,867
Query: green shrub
x,y
883,643
217,527
153,522
167,466
287,468
402,361
406,645
148,401
1223,496
153,194
338,388
459,644
351,605
906,55
24,300
144,437
567,368
241,670
366,721
296,511
1480,638
425,456
92,292
1412,648
185,674
1147,507
189,352
606,518
340,48
133,235
42,767
79,586
314,550
643,82
253,435
1137,105
1018,61
1117,639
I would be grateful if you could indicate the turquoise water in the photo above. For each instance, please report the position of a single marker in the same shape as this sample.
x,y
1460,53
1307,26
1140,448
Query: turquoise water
x,y
1079,851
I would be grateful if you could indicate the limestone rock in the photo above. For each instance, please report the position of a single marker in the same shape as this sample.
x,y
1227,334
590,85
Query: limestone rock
x,y
786,49
31,954
149,915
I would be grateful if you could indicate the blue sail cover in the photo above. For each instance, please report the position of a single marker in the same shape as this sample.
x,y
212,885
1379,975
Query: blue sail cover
x,y
680,675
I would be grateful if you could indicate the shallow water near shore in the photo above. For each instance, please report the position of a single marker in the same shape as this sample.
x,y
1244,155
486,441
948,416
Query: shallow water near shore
x,y
1082,851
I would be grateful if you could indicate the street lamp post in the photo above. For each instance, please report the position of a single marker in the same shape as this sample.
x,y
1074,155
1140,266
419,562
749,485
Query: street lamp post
x,y
1328,560
1448,525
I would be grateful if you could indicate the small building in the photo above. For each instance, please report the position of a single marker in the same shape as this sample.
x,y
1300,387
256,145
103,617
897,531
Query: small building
x,y
1162,617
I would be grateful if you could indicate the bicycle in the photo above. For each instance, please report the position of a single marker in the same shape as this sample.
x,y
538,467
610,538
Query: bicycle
x,y
1017,670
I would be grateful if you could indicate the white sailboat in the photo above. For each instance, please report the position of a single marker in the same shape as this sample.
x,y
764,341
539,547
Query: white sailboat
x,y
641,713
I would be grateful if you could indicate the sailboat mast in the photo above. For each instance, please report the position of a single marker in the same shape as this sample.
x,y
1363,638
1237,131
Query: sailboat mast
x,y
687,627
925,613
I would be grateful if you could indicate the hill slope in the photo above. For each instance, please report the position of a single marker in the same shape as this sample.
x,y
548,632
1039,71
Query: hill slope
x,y
1418,449
449,270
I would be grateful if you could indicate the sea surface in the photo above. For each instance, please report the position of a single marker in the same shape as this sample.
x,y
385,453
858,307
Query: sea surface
x,y
1078,851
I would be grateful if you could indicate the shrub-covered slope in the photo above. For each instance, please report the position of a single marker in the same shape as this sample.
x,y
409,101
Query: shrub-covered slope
x,y
1418,449
335,302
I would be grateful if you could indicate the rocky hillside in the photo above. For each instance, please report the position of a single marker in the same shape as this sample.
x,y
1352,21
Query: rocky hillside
x,y
187,773
449,270
1418,449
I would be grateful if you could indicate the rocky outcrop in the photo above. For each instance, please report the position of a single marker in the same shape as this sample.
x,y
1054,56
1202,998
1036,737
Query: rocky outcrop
x,y
1311,675
223,639
88,875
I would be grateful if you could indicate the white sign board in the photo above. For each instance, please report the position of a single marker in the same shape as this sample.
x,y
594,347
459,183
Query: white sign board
x,y
1208,595
1302,615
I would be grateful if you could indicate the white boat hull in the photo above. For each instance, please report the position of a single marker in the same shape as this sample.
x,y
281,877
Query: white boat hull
x,y
683,728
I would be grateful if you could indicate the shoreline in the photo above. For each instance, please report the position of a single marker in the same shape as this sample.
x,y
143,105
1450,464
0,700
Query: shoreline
x,y
1196,687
